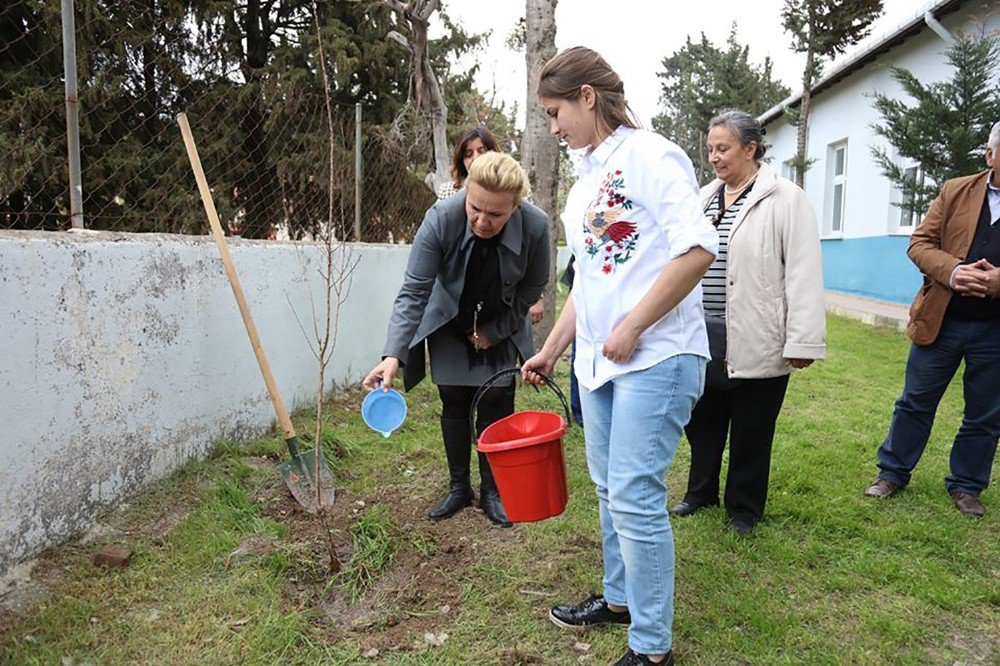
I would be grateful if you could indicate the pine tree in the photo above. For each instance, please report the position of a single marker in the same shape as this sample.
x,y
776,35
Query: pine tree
x,y
945,130
699,80
247,73
822,29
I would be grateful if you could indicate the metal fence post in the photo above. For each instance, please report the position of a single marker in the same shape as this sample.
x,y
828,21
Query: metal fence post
x,y
357,171
72,115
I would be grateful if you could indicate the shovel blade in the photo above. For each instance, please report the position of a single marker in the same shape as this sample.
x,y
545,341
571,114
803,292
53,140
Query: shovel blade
x,y
299,474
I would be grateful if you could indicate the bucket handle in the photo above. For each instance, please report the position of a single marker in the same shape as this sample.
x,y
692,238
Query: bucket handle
x,y
505,373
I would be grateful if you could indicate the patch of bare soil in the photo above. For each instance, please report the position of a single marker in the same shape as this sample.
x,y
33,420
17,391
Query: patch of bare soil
x,y
978,647
410,604
19,589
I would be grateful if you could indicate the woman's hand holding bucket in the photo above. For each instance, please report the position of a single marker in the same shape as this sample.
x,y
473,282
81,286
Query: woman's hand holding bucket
x,y
544,362
539,363
383,374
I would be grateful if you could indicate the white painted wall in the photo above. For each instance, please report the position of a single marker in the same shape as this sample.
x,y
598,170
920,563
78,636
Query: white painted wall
x,y
845,111
124,356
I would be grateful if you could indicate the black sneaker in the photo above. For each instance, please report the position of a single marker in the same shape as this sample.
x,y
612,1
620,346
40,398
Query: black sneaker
x,y
593,611
633,658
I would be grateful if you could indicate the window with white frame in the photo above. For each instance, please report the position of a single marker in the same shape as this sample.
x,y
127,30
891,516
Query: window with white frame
x,y
836,188
908,219
788,169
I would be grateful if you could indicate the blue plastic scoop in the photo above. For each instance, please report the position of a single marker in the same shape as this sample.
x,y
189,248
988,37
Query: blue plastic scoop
x,y
384,411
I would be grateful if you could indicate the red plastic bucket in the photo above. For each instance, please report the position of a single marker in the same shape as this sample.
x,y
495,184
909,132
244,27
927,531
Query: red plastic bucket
x,y
525,453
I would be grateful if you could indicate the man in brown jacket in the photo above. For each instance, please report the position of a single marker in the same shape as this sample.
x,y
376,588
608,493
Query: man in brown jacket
x,y
955,316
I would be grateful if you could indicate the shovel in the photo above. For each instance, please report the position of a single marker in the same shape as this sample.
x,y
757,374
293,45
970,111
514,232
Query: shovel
x,y
307,475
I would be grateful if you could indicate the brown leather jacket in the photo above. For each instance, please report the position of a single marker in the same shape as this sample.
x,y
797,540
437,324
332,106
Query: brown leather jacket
x,y
938,244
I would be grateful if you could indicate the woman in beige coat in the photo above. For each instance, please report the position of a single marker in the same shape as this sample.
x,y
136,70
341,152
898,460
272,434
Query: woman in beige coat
x,y
763,301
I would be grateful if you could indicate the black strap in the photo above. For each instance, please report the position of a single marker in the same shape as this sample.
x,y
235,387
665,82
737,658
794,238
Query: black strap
x,y
717,218
721,202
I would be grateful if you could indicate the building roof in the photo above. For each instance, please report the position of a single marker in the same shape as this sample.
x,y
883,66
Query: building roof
x,y
892,39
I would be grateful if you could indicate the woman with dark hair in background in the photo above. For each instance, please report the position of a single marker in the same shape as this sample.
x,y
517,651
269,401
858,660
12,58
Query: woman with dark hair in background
x,y
471,144
764,308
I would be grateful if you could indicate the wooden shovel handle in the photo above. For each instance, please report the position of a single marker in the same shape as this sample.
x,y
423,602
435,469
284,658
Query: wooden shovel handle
x,y
234,281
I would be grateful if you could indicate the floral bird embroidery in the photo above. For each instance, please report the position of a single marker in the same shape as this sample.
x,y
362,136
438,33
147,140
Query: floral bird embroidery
x,y
605,225
610,240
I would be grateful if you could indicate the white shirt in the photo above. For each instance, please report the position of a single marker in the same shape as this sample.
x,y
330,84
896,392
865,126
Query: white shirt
x,y
447,189
634,208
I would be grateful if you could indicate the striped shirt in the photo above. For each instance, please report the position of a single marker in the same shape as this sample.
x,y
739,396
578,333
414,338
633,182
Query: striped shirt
x,y
713,285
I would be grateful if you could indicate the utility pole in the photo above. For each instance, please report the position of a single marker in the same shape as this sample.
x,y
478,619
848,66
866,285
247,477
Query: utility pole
x,y
72,115
357,172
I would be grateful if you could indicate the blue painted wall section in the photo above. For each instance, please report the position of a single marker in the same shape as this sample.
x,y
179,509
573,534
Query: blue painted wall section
x,y
875,267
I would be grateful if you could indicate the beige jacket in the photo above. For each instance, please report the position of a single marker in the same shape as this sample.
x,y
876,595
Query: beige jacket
x,y
774,275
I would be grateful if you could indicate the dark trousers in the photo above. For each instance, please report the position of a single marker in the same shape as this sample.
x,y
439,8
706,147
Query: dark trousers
x,y
929,370
747,413
456,402
574,389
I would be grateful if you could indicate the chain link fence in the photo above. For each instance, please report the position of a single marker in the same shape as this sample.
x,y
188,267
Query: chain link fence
x,y
280,165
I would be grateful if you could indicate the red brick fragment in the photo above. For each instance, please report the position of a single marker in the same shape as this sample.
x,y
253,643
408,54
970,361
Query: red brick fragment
x,y
114,557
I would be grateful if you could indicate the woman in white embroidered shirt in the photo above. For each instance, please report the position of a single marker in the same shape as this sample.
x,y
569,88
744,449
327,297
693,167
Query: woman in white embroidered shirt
x,y
763,299
634,222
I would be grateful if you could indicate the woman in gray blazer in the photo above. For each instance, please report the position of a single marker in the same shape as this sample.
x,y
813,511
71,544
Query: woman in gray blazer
x,y
479,261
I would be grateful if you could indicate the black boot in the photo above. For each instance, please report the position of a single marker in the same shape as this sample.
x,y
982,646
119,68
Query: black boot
x,y
458,449
489,498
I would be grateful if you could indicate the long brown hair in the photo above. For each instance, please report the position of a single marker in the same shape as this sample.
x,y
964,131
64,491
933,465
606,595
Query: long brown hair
x,y
563,75
458,171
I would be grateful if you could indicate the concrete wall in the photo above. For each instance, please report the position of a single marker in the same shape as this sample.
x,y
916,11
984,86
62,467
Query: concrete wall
x,y
856,260
124,356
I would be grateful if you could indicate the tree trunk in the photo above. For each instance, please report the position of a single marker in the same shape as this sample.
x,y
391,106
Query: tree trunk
x,y
259,188
431,97
427,91
149,92
539,150
801,156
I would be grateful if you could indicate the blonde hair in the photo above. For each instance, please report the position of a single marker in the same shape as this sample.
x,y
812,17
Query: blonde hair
x,y
499,172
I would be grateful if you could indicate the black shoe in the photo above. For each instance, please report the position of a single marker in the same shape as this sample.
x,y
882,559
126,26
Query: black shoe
x,y
593,611
489,498
458,498
458,449
489,502
633,658
685,508
741,527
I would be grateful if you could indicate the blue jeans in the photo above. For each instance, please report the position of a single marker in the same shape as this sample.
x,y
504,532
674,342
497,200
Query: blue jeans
x,y
632,425
929,370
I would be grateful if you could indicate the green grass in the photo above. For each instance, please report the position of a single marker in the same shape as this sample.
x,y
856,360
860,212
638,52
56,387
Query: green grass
x,y
829,577
374,536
